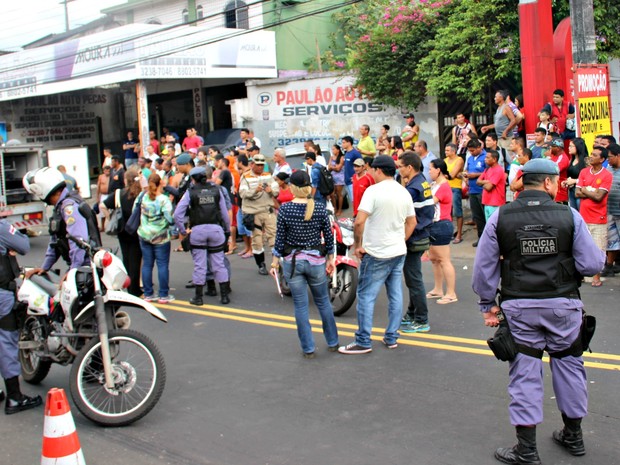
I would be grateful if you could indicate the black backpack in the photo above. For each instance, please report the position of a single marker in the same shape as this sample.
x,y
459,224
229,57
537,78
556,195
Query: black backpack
x,y
326,182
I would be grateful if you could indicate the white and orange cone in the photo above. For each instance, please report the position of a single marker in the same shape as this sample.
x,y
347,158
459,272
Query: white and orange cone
x,y
61,445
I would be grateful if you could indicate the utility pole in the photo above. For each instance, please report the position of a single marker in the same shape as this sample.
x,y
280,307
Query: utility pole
x,y
65,2
582,21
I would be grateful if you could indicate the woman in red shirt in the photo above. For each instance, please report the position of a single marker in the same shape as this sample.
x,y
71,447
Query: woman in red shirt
x,y
441,235
285,195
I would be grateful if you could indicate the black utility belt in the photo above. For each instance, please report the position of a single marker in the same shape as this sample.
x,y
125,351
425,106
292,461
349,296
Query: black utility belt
x,y
289,249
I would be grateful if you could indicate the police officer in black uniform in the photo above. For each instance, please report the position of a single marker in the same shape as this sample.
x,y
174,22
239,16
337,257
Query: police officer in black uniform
x,y
12,242
539,250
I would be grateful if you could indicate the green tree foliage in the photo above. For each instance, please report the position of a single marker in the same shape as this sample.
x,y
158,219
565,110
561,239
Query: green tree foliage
x,y
403,50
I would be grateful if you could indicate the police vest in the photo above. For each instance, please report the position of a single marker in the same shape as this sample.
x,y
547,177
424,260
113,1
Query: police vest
x,y
58,227
535,237
9,270
183,186
204,203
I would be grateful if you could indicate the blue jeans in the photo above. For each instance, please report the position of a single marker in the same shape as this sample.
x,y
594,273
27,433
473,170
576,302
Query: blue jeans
x,y
573,201
418,307
152,253
315,277
373,273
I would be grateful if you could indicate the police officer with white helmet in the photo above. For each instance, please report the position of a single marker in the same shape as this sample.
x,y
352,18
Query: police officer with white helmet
x,y
539,250
71,216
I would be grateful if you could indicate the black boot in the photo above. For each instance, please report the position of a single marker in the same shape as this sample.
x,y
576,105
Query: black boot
x,y
260,261
224,291
571,436
16,401
525,452
211,290
608,271
1,395
197,300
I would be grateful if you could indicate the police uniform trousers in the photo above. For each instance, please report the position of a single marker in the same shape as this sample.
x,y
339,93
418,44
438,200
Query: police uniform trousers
x,y
264,231
9,361
208,235
555,329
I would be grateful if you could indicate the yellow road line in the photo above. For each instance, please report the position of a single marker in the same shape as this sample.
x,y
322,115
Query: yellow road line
x,y
288,322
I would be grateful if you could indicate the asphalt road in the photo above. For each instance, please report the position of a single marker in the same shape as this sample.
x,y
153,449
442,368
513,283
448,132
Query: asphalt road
x,y
239,392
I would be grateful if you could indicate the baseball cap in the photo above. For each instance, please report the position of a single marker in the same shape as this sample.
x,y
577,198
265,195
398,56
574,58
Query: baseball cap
x,y
557,142
383,161
409,115
300,179
253,148
258,159
311,156
359,162
282,176
541,166
197,170
194,151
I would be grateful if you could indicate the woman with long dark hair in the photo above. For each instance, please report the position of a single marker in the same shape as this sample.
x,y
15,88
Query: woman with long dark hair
x,y
578,152
154,233
130,243
307,260
336,166
441,235
397,147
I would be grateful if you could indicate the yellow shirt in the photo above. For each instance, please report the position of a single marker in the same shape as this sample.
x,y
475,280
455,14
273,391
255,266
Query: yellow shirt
x,y
366,144
456,183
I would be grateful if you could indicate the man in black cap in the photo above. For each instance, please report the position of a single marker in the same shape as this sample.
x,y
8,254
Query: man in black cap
x,y
385,220
538,250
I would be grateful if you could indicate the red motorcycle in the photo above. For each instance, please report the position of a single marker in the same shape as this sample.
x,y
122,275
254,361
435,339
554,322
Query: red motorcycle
x,y
343,283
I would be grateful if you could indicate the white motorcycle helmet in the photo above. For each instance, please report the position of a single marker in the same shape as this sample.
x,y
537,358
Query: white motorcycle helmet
x,y
43,182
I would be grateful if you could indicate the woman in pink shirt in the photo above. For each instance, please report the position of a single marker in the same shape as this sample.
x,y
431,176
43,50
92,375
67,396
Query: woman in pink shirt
x,y
442,230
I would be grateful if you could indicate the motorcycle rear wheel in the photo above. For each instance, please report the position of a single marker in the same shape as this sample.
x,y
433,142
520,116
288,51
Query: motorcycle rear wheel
x,y
343,295
139,378
34,369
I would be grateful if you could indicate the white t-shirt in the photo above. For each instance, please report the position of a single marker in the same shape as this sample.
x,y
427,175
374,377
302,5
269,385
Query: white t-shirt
x,y
388,205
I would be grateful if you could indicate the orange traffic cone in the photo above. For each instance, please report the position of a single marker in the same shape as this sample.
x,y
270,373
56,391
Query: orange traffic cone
x,y
61,445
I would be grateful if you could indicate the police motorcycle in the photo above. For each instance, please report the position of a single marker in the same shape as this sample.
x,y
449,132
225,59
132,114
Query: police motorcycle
x,y
117,374
343,282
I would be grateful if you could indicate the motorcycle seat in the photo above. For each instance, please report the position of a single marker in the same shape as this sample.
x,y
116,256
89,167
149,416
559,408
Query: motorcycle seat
x,y
46,283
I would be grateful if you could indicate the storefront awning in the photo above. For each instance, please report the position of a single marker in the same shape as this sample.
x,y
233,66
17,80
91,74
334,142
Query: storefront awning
x,y
138,51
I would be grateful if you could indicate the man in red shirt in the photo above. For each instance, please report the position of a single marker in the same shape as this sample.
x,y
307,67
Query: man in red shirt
x,y
153,142
556,155
192,141
362,180
592,188
493,183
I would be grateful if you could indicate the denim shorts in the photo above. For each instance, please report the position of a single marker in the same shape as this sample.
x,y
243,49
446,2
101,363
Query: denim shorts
x,y
241,230
457,202
441,232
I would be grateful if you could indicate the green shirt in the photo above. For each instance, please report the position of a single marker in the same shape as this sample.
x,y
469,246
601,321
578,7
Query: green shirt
x,y
366,144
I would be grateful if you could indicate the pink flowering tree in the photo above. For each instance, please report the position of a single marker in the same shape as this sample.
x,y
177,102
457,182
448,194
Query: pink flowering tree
x,y
403,50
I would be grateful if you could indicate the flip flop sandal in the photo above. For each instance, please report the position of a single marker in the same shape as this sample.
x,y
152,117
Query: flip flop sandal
x,y
446,300
430,295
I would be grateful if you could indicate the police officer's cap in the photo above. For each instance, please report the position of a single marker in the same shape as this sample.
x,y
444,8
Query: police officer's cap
x,y
184,159
198,171
541,166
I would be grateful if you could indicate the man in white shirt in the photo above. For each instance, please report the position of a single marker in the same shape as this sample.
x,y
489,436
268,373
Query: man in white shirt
x,y
385,220
280,164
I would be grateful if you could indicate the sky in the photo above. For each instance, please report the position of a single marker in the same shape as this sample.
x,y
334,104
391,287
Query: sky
x,y
24,21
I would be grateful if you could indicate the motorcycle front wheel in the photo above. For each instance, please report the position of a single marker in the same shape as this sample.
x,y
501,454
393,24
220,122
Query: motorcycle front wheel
x,y
343,294
139,375
34,369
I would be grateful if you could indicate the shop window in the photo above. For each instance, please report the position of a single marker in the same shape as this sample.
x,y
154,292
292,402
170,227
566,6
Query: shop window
x,y
199,12
185,16
236,13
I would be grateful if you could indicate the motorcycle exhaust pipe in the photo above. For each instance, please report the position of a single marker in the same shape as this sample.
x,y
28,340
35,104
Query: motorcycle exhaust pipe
x,y
122,320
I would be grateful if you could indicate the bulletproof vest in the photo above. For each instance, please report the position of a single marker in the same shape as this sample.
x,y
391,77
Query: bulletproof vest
x,y
9,270
535,237
58,227
183,186
204,203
